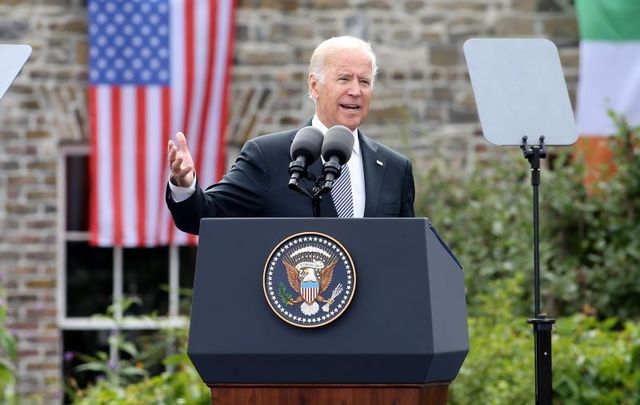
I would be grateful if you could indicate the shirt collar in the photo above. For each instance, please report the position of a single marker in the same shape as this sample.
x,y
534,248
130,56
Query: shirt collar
x,y
316,123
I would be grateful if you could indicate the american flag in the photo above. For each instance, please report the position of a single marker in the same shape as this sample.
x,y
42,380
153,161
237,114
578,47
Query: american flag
x,y
155,67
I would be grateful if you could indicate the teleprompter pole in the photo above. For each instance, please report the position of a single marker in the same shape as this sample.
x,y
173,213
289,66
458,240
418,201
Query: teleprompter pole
x,y
542,324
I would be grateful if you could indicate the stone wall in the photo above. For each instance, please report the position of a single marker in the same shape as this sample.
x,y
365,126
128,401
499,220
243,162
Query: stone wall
x,y
43,108
423,101
422,104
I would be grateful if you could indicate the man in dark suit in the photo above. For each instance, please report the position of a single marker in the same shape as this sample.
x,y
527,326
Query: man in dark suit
x,y
379,181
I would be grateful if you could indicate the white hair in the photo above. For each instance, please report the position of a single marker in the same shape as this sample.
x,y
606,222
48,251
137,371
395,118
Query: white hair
x,y
325,48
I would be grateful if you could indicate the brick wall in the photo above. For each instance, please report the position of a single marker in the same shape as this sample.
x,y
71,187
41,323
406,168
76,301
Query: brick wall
x,y
422,104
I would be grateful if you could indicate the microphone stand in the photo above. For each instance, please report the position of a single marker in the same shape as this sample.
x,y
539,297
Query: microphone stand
x,y
321,187
542,324
314,196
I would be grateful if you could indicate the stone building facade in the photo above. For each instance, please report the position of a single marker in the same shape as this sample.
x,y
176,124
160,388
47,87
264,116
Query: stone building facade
x,y
423,102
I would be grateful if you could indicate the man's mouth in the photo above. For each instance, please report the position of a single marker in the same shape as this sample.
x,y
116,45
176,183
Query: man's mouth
x,y
350,107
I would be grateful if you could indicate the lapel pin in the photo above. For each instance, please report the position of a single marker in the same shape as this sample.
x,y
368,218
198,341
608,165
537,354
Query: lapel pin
x,y
379,163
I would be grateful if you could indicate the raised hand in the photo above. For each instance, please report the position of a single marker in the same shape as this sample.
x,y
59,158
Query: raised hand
x,y
180,161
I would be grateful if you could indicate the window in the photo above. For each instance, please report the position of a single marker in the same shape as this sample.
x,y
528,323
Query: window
x,y
92,281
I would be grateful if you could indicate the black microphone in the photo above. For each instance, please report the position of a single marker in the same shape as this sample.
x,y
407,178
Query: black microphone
x,y
336,151
305,149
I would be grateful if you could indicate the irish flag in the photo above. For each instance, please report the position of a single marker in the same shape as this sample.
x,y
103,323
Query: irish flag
x,y
609,76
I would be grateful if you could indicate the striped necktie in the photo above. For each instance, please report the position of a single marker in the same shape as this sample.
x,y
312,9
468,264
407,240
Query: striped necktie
x,y
341,194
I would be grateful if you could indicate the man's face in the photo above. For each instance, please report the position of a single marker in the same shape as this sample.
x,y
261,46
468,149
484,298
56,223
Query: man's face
x,y
343,96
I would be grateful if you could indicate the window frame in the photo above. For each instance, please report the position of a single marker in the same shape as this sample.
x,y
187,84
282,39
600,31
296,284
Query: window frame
x,y
119,322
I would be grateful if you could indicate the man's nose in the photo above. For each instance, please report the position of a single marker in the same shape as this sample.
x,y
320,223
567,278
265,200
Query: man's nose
x,y
354,88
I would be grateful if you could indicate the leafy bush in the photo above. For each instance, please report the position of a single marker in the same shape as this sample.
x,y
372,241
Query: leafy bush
x,y
180,386
486,220
590,243
590,256
594,362
596,236
128,380
499,366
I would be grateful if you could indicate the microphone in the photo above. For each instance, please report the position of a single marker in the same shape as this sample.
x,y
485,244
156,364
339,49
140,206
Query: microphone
x,y
336,151
305,149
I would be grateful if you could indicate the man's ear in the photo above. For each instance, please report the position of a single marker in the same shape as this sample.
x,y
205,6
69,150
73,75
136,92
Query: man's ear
x,y
313,86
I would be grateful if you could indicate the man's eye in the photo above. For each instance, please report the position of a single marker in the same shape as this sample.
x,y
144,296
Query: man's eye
x,y
365,82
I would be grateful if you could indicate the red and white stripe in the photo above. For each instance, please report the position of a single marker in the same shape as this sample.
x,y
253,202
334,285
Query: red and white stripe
x,y
310,293
131,125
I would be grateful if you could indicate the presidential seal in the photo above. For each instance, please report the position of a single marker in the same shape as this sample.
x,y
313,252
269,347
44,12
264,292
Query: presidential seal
x,y
309,280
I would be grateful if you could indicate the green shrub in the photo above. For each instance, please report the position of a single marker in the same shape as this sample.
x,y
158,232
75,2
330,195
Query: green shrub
x,y
594,362
128,380
181,386
499,366
590,261
589,243
595,238
486,220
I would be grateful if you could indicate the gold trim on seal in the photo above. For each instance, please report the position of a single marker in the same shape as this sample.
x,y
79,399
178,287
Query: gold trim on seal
x,y
279,246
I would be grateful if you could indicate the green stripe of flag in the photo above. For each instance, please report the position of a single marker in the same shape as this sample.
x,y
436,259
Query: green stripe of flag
x,y
609,20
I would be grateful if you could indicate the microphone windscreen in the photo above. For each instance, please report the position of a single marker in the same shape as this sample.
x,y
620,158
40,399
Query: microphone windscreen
x,y
307,143
338,142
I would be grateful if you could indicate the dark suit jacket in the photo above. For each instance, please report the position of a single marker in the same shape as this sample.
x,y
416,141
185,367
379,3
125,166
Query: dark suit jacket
x,y
257,185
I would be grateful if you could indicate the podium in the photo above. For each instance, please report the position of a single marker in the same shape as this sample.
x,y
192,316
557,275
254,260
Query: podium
x,y
402,339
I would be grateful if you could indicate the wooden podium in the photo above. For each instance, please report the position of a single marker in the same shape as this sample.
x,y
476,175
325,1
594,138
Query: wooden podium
x,y
431,394
402,339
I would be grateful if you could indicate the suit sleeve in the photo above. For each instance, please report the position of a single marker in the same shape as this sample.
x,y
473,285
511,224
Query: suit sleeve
x,y
408,193
241,193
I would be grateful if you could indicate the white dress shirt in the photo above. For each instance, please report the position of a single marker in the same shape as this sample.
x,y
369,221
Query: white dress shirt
x,y
356,172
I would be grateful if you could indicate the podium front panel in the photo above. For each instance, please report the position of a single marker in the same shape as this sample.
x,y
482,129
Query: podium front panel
x,y
397,329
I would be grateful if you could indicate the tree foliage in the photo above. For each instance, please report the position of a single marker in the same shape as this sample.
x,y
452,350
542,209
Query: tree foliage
x,y
590,241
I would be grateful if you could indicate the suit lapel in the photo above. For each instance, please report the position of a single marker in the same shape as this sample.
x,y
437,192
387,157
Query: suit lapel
x,y
373,167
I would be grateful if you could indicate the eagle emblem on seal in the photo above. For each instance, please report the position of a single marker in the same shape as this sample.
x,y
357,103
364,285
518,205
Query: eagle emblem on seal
x,y
309,279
